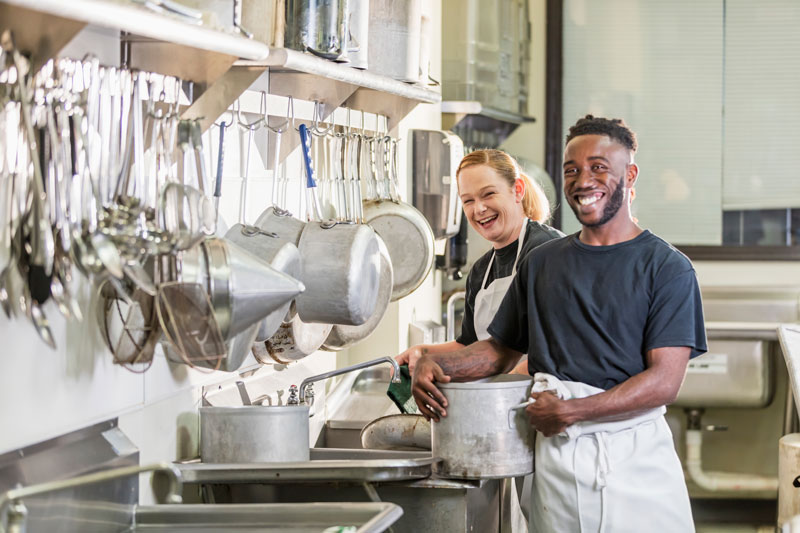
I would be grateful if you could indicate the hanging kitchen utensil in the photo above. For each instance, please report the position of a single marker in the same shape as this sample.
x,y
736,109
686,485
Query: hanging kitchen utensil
x,y
128,325
35,262
343,336
406,232
341,263
188,214
241,291
243,288
293,339
282,256
187,320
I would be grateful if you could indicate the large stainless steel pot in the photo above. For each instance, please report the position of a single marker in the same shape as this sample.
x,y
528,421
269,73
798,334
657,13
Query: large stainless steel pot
x,y
254,434
482,437
342,336
341,263
341,275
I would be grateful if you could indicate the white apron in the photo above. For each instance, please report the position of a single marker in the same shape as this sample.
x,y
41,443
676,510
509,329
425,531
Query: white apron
x,y
616,477
487,302
488,299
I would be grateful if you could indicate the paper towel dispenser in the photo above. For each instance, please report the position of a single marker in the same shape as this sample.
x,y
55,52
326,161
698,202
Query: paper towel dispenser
x,y
436,155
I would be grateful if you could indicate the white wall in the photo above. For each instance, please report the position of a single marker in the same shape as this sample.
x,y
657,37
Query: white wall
x,y
45,393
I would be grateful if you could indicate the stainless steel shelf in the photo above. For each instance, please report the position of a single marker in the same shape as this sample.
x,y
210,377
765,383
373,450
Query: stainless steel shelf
x,y
284,60
471,107
307,77
478,125
43,27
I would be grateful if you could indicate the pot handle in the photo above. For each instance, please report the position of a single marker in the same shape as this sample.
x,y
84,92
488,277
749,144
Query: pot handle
x,y
311,185
512,411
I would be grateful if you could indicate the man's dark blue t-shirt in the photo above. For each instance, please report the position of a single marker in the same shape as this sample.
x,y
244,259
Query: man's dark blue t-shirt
x,y
591,313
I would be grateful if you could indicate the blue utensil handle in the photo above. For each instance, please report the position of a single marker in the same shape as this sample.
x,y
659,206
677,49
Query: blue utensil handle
x,y
220,154
305,145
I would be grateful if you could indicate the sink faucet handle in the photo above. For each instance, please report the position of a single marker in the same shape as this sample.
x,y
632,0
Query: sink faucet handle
x,y
293,399
310,394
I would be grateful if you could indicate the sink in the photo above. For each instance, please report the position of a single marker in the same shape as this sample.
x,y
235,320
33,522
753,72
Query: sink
x,y
358,400
356,475
266,518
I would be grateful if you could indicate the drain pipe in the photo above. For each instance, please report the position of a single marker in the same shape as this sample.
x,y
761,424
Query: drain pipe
x,y
717,481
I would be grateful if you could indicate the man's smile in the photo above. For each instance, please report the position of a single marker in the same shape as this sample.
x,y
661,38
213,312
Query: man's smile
x,y
588,199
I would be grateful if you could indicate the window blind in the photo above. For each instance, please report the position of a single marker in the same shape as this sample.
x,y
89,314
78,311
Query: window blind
x,y
658,65
762,105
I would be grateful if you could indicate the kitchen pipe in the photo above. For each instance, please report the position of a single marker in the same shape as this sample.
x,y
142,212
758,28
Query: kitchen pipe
x,y
309,380
718,481
451,313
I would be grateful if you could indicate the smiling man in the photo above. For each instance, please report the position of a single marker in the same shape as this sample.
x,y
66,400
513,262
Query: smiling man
x,y
609,317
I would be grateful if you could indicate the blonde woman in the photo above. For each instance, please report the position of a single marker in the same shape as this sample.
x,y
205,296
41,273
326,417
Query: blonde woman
x,y
507,209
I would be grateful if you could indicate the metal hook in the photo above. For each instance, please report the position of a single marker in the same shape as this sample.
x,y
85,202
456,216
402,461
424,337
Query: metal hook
x,y
275,129
290,112
246,125
262,104
317,118
226,123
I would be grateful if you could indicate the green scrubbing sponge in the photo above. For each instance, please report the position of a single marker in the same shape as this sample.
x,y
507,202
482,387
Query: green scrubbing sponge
x,y
400,393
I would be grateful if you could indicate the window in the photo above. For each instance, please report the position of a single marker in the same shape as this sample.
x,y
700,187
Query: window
x,y
711,89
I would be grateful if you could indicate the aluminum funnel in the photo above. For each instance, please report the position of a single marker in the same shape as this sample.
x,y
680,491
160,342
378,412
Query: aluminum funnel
x,y
244,289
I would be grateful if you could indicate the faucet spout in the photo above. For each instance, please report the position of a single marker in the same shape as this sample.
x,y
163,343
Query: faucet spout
x,y
309,380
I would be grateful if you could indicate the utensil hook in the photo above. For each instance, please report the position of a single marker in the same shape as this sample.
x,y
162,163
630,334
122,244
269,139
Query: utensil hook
x,y
319,108
243,123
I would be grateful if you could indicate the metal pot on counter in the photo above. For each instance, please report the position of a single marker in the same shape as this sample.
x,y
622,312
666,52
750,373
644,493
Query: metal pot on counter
x,y
485,434
254,434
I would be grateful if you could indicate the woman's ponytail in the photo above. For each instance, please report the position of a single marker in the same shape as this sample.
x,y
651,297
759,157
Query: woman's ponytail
x,y
534,201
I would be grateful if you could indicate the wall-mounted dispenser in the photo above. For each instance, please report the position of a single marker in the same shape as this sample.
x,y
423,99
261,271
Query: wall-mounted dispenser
x,y
436,155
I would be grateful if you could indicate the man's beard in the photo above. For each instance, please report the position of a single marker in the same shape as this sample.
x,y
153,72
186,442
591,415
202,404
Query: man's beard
x,y
611,208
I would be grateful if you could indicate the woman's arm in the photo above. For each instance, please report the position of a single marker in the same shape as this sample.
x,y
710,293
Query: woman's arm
x,y
521,368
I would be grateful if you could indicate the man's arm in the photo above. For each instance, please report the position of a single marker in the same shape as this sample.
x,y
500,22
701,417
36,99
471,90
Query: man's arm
x,y
658,385
478,360
412,355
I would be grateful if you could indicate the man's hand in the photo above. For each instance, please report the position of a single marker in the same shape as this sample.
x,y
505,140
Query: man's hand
x,y
549,414
430,400
410,357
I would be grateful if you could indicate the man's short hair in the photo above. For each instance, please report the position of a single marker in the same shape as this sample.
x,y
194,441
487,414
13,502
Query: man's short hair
x,y
613,127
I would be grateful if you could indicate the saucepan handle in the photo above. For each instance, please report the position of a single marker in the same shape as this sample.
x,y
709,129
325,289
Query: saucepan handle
x,y
512,411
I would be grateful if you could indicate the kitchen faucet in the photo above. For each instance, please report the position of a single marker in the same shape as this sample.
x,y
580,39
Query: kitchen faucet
x,y
308,381
11,501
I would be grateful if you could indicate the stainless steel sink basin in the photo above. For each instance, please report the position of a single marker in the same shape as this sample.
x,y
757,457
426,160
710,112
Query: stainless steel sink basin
x,y
266,518
360,399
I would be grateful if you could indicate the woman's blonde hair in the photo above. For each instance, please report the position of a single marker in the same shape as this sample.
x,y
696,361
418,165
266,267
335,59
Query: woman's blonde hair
x,y
534,202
